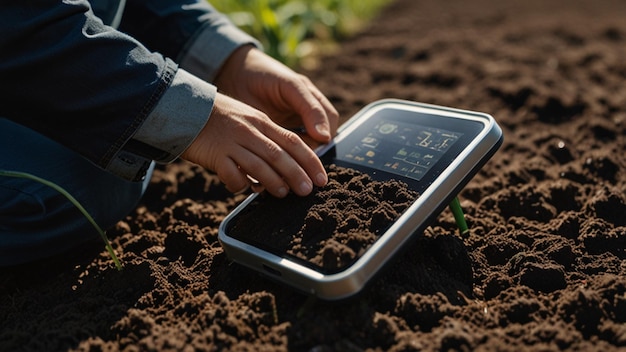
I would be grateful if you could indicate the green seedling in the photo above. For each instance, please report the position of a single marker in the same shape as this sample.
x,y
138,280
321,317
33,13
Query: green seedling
x,y
74,201
459,217
289,30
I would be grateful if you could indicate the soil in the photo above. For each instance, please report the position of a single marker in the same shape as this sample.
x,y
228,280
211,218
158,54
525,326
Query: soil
x,y
542,268
333,226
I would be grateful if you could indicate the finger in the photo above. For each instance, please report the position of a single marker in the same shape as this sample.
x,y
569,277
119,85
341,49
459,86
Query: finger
x,y
280,161
255,185
332,115
308,140
257,188
260,170
306,104
300,166
231,175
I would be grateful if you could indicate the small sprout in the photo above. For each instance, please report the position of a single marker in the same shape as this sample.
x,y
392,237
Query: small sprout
x,y
74,201
459,217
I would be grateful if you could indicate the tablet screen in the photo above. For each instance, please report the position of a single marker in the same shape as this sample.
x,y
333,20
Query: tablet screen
x,y
400,148
404,145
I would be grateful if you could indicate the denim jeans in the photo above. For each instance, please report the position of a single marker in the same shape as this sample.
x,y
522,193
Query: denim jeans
x,y
36,221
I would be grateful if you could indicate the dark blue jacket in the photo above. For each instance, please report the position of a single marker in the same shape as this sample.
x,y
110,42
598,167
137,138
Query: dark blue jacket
x,y
120,96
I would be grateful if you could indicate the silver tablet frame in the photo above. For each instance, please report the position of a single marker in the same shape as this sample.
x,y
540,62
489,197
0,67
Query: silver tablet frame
x,y
414,220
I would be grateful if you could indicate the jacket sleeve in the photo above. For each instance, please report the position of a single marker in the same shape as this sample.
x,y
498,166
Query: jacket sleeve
x,y
200,39
191,32
100,91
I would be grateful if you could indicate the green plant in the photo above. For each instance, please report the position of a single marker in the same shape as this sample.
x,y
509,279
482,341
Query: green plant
x,y
459,217
292,29
74,201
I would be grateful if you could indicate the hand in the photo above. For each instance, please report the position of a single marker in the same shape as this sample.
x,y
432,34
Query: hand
x,y
288,98
239,140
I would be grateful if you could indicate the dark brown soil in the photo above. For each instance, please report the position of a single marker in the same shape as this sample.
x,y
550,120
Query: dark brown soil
x,y
332,227
543,267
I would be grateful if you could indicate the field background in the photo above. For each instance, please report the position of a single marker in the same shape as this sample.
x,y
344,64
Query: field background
x,y
297,32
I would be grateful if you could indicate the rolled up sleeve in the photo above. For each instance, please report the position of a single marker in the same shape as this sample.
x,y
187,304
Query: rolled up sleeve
x,y
186,105
169,129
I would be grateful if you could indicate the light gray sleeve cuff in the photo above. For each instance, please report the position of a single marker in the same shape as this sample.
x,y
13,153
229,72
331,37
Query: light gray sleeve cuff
x,y
169,129
212,46
178,117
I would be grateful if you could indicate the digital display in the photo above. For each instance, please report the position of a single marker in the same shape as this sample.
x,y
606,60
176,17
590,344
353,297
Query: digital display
x,y
398,147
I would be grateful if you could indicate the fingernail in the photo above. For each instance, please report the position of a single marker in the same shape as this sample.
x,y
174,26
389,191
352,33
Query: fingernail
x,y
322,129
306,187
282,192
321,179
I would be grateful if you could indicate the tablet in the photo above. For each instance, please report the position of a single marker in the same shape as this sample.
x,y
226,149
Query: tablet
x,y
393,167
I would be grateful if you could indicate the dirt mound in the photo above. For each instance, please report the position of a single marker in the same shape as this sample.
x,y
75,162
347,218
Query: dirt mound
x,y
332,227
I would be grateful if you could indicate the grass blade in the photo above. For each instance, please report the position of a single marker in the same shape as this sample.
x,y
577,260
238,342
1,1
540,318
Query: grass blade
x,y
74,201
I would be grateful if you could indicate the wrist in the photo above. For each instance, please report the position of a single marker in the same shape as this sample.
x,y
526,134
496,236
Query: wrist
x,y
226,78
